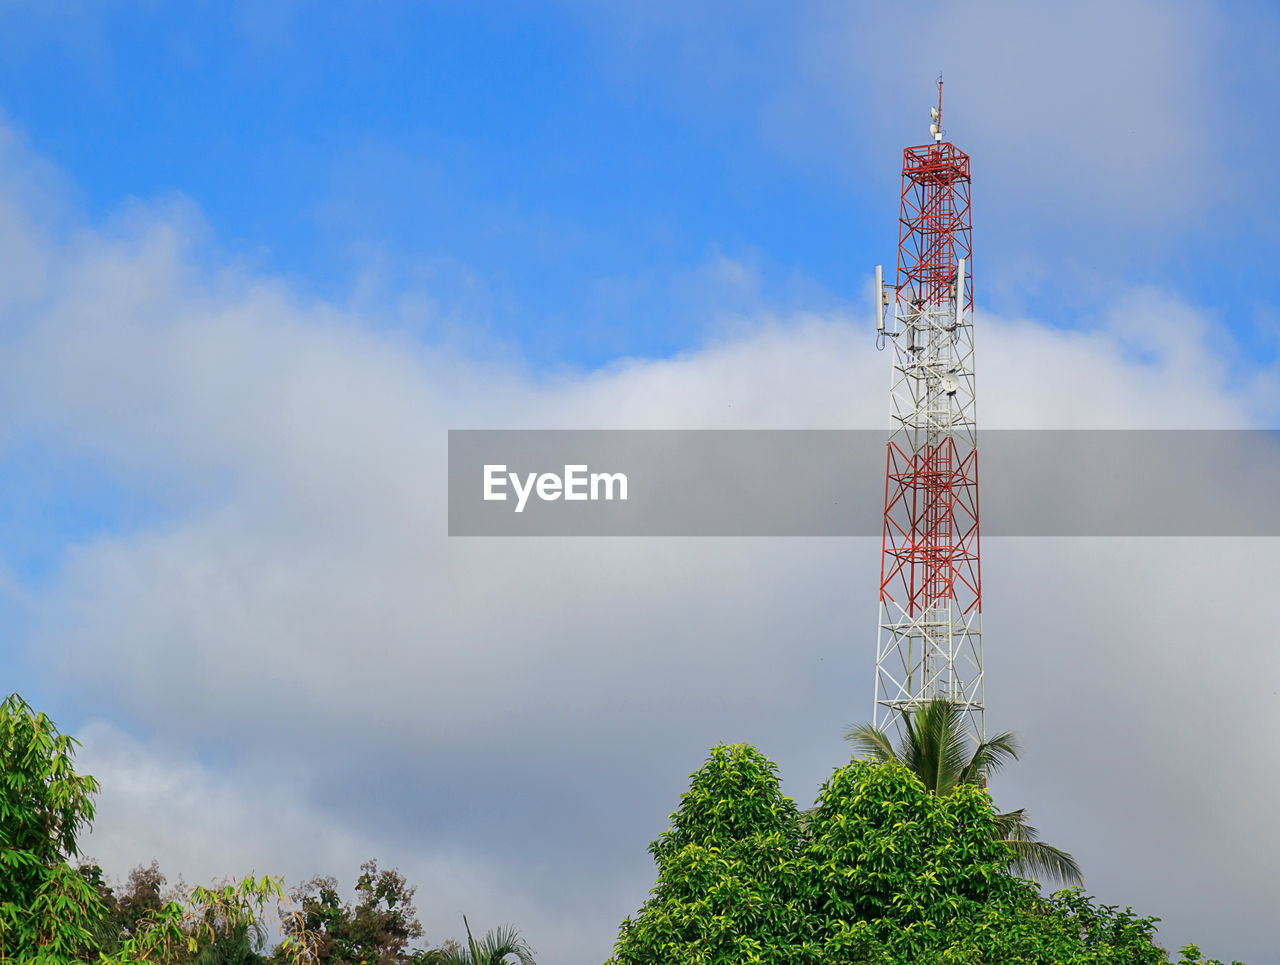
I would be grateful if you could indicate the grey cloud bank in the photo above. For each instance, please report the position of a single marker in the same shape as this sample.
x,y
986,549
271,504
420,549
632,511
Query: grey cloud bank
x,y
310,620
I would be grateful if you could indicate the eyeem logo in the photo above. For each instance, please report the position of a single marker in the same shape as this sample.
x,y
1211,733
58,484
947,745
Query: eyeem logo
x,y
577,484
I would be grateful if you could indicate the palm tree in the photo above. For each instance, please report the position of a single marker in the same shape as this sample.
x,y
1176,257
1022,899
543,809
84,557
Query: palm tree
x,y
934,747
492,949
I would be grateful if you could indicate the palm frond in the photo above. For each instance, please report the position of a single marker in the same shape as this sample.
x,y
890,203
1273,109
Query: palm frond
x,y
872,741
934,746
1036,859
1032,857
493,948
1013,825
473,950
501,942
938,748
991,755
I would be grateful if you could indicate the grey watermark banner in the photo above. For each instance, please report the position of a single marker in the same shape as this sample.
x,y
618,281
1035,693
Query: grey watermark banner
x,y
832,482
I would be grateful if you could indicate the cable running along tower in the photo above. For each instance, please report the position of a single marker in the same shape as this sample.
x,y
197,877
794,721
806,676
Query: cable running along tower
x,y
930,635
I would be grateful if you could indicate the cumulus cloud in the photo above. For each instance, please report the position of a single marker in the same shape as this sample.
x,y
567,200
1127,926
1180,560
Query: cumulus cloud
x,y
291,667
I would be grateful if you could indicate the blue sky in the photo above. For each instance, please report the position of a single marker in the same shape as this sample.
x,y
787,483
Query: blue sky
x,y
424,139
559,175
256,259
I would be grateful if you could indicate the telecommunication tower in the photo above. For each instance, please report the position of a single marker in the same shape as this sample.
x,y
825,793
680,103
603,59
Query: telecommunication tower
x,y
929,642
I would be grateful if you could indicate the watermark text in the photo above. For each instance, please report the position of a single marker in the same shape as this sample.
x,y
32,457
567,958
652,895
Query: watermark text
x,y
577,483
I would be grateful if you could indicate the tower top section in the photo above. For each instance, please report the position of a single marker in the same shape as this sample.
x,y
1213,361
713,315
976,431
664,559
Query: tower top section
x,y
935,116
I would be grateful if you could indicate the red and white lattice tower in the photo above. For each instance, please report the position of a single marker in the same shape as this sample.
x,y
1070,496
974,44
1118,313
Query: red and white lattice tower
x,y
930,636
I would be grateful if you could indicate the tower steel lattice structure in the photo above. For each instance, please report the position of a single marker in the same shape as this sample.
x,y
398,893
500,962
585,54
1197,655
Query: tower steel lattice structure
x,y
929,642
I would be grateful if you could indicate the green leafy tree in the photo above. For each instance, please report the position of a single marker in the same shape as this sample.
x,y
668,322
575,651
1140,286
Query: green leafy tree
x,y
731,882
933,745
226,926
49,912
905,875
1190,955
495,947
899,864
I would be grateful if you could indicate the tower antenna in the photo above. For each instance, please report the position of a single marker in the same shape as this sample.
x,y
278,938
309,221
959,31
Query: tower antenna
x,y
929,639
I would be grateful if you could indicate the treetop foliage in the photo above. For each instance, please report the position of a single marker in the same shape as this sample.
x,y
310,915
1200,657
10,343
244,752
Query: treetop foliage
x,y
45,904
882,871
734,795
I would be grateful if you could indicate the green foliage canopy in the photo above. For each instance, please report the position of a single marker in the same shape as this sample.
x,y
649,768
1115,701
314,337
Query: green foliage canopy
x,y
730,867
883,871
49,912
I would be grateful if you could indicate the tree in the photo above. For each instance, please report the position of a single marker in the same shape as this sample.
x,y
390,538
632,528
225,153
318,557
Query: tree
x,y
731,886
1190,955
376,930
49,912
142,898
933,746
905,875
130,909
494,948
